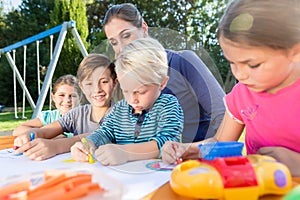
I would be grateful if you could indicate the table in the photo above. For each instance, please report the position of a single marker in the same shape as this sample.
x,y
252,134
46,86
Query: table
x,y
146,186
166,192
6,141
133,179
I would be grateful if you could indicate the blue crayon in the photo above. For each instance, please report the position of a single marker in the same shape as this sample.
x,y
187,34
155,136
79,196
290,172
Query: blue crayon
x,y
31,136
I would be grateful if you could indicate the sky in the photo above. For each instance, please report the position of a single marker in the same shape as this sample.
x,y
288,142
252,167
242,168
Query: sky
x,y
11,3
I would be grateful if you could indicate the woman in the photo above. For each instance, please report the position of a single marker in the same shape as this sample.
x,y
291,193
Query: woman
x,y
198,92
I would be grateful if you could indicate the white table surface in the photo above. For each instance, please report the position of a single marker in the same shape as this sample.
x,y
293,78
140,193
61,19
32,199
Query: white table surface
x,y
135,179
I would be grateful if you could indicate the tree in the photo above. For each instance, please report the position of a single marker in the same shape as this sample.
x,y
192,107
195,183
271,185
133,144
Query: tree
x,y
33,17
67,10
203,28
178,25
192,23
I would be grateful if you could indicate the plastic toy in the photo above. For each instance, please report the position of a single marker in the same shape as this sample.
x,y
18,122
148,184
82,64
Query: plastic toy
x,y
237,177
212,150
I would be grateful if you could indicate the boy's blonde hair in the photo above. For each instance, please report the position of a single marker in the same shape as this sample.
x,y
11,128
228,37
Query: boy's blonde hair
x,y
145,60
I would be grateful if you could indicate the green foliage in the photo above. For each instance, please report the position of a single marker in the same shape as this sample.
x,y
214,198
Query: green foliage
x,y
36,16
177,25
202,27
32,19
67,10
193,22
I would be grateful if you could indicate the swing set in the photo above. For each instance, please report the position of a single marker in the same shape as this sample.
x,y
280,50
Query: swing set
x,y
62,29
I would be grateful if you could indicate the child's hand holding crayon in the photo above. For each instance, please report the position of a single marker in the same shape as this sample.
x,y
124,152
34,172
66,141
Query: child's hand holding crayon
x,y
175,152
83,151
23,139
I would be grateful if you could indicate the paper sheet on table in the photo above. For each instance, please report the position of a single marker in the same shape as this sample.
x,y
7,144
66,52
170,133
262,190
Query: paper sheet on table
x,y
136,185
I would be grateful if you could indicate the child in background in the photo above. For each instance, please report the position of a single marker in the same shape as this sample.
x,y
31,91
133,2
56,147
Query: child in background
x,y
263,48
97,80
138,126
65,96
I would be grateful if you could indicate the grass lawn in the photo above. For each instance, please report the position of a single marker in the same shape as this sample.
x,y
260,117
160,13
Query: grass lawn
x,y
8,121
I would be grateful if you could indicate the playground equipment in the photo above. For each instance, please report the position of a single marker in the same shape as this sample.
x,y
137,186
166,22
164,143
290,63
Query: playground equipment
x,y
62,29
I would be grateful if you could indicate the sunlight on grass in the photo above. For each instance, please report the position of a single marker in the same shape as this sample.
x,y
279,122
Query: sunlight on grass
x,y
8,121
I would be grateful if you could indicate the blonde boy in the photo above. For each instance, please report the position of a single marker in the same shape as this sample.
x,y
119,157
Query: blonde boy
x,y
139,125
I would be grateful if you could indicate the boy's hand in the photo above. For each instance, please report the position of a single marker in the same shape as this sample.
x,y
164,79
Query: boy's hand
x,y
80,152
21,140
39,149
112,154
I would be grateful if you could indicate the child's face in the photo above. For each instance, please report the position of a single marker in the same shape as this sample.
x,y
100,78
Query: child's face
x,y
143,97
65,98
261,69
140,96
99,87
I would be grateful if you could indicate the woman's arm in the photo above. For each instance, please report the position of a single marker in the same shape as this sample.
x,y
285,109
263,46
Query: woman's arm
x,y
208,91
26,126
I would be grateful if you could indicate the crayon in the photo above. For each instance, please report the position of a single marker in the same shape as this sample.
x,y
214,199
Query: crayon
x,y
179,159
90,157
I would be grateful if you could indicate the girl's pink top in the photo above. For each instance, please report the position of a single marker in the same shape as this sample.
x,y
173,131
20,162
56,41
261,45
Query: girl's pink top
x,y
270,119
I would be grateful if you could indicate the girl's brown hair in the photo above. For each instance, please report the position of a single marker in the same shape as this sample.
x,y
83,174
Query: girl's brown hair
x,y
67,79
269,23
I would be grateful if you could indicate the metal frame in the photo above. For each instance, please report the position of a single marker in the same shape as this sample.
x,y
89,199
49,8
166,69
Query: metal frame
x,y
63,28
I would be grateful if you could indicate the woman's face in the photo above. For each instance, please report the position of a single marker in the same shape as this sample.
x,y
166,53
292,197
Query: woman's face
x,y
120,32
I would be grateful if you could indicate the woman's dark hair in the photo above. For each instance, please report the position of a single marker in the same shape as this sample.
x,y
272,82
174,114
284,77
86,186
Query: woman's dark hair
x,y
127,12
